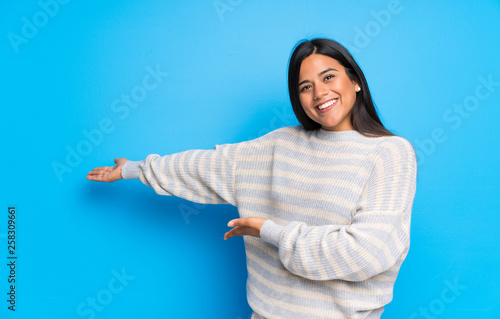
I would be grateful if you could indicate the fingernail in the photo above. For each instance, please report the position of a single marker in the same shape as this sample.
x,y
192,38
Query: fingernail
x,y
231,224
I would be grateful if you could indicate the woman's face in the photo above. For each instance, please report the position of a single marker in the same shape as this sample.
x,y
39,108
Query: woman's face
x,y
326,93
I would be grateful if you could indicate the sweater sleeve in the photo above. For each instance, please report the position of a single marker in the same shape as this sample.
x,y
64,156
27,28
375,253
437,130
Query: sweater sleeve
x,y
202,176
378,236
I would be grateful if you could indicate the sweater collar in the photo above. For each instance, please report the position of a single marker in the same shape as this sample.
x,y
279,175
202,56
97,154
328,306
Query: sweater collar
x,y
335,136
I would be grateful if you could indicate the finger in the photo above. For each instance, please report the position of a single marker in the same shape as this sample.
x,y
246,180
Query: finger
x,y
102,169
237,222
103,177
96,173
233,232
95,176
248,222
240,231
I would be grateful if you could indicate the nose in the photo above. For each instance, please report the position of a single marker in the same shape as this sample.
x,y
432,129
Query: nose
x,y
320,90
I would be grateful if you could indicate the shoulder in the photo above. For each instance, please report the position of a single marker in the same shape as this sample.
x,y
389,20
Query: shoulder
x,y
265,142
394,142
288,132
289,136
395,149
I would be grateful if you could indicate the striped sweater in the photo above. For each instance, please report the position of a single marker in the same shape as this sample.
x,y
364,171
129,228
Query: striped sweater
x,y
338,206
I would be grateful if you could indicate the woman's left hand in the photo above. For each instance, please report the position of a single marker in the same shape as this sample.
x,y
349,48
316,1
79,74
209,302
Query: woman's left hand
x,y
245,226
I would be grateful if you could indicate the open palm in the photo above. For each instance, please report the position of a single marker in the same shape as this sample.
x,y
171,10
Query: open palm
x,y
107,174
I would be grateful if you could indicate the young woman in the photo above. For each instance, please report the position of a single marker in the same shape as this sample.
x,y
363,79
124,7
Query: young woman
x,y
325,206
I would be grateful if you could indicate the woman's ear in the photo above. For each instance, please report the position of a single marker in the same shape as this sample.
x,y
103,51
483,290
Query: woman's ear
x,y
357,87
355,82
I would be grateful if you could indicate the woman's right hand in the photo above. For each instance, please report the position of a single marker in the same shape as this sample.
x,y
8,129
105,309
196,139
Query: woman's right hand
x,y
107,174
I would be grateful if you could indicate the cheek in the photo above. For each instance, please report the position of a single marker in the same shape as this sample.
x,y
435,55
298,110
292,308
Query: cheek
x,y
349,92
353,98
342,87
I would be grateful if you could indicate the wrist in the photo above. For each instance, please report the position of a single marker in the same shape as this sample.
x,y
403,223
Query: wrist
x,y
131,170
271,232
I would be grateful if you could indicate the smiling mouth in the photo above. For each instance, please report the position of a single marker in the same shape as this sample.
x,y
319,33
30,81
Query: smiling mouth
x,y
327,104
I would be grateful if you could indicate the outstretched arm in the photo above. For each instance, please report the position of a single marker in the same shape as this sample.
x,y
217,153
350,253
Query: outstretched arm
x,y
107,174
203,176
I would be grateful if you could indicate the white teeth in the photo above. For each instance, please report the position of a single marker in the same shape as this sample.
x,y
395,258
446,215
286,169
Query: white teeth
x,y
327,104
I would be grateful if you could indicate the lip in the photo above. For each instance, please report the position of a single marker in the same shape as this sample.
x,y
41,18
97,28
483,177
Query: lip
x,y
328,108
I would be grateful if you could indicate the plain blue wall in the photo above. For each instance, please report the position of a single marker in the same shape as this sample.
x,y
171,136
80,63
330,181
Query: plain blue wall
x,y
434,74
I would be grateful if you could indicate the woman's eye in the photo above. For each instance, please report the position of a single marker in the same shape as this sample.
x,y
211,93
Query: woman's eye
x,y
328,77
305,87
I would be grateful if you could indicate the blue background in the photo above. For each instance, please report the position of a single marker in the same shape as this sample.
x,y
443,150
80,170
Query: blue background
x,y
427,63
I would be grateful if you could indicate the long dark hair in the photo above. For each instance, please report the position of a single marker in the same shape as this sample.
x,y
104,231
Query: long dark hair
x,y
364,117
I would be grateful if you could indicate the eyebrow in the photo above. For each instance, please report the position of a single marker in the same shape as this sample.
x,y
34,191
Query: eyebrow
x,y
321,73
